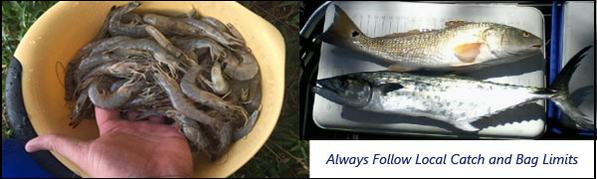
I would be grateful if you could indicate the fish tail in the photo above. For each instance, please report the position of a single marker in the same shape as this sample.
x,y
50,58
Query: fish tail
x,y
341,30
562,97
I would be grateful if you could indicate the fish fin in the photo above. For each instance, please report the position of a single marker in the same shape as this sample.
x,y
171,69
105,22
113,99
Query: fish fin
x,y
467,52
465,126
398,68
562,98
582,94
561,82
451,24
386,88
342,30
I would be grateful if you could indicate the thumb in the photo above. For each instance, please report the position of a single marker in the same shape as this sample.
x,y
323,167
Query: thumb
x,y
70,148
103,118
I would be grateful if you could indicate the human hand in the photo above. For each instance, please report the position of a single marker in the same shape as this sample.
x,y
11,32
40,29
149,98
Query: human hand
x,y
123,149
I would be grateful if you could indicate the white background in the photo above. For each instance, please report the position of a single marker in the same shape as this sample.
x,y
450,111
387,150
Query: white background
x,y
320,151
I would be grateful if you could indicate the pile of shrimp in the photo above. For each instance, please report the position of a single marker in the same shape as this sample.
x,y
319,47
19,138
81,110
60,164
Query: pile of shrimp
x,y
193,72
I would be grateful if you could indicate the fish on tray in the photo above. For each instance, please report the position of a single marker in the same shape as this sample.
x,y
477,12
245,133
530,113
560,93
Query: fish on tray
x,y
456,100
457,46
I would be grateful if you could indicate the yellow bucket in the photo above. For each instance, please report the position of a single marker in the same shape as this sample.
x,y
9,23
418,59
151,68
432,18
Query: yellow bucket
x,y
60,32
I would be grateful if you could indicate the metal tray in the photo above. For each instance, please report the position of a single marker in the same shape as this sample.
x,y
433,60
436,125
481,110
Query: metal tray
x,y
526,122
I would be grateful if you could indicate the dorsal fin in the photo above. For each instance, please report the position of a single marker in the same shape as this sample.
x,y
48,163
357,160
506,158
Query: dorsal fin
x,y
451,24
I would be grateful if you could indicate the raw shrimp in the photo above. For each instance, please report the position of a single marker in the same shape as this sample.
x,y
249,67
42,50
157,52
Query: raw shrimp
x,y
70,81
81,110
104,30
234,35
122,69
114,99
224,139
92,49
244,130
132,18
244,69
189,26
162,40
191,129
214,23
158,53
118,27
107,44
195,74
207,30
218,84
117,84
150,96
182,104
195,135
254,96
158,111
96,60
189,46
146,101
202,97
132,54
71,70
167,24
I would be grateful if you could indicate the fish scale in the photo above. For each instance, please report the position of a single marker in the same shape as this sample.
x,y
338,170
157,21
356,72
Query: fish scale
x,y
429,49
457,98
458,44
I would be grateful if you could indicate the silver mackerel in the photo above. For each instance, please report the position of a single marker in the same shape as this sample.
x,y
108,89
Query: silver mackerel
x,y
455,100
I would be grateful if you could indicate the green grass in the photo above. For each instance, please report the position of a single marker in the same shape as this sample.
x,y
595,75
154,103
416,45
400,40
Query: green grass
x,y
284,155
17,17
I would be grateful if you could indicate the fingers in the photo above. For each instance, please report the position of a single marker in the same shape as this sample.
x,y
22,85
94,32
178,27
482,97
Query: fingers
x,y
156,129
70,148
103,116
156,119
132,115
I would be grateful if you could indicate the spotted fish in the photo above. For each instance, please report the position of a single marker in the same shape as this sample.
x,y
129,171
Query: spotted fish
x,y
456,100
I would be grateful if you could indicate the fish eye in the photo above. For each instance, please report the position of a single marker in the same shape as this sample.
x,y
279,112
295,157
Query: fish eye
x,y
525,34
355,33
